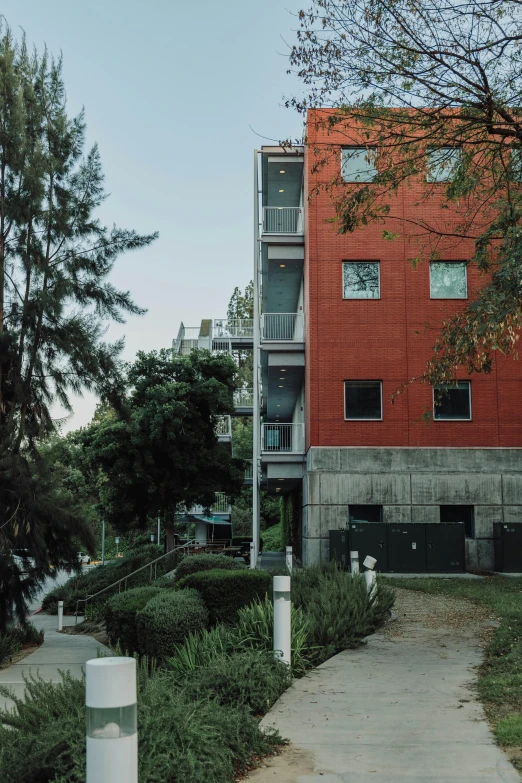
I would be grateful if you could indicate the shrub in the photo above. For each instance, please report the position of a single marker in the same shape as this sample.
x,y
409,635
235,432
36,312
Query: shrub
x,y
225,592
13,639
200,649
167,619
195,563
251,679
273,540
337,608
120,616
43,739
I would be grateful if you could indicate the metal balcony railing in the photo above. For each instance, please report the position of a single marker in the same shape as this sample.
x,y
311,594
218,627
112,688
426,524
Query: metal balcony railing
x,y
224,426
244,398
189,339
249,470
220,506
282,326
222,345
282,220
233,327
283,437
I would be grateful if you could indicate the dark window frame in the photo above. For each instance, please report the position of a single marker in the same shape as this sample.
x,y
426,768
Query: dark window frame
x,y
448,387
468,532
362,418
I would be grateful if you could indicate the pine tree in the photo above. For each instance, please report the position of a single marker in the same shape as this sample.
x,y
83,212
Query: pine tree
x,y
55,300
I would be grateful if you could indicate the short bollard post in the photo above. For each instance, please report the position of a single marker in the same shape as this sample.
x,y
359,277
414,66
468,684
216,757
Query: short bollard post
x,y
282,619
252,555
354,563
112,734
60,615
370,577
289,559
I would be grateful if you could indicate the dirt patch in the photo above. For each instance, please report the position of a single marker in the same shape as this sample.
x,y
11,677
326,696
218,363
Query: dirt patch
x,y
286,767
20,655
86,628
415,609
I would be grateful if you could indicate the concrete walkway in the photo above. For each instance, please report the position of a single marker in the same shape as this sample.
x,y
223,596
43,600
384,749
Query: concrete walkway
x,y
400,710
59,651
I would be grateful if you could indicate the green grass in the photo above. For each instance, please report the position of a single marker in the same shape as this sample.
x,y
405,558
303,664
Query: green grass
x,y
500,677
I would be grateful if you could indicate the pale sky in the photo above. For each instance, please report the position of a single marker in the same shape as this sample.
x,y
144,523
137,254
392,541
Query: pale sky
x,y
170,91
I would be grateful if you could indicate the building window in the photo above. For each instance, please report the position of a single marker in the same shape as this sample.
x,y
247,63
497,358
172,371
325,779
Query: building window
x,y
358,164
448,280
363,400
365,513
452,401
442,163
361,280
460,514
516,164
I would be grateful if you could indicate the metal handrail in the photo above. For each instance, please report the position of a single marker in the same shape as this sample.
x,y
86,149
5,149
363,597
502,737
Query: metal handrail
x,y
154,563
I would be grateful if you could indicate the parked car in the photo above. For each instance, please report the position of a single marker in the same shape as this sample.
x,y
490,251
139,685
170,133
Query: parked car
x,y
83,558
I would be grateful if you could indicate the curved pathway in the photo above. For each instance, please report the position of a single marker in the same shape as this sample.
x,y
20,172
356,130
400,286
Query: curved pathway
x,y
400,710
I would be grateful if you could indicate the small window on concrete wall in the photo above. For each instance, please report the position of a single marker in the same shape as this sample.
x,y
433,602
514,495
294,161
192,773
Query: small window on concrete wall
x,y
365,513
452,401
363,400
361,280
460,514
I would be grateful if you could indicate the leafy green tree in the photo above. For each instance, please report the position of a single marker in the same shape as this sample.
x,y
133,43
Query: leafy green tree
x,y
417,79
241,307
55,302
161,451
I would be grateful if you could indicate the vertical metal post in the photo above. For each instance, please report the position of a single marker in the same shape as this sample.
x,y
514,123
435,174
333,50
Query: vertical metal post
x,y
256,516
60,615
159,529
282,620
103,541
289,559
354,562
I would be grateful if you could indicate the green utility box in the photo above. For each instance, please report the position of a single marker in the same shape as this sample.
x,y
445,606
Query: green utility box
x,y
339,548
407,548
508,547
369,538
445,547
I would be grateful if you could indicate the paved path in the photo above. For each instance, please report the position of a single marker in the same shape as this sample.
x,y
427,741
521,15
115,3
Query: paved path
x,y
59,651
400,710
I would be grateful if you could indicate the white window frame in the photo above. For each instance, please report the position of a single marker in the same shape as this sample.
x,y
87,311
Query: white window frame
x,y
449,171
456,298
361,380
448,421
367,150
362,298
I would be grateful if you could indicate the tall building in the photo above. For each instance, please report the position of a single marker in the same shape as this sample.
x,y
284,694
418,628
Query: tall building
x,y
341,323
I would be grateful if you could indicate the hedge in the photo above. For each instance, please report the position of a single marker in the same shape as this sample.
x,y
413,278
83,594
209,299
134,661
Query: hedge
x,y
167,619
226,592
195,563
120,616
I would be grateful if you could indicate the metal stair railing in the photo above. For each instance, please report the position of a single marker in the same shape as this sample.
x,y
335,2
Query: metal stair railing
x,y
153,564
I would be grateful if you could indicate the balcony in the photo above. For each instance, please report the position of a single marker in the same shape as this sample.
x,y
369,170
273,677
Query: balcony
x,y
223,429
189,339
283,438
220,506
249,472
244,400
283,220
233,327
282,327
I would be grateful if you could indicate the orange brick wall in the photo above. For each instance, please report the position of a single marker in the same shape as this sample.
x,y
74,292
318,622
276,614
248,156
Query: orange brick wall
x,y
385,339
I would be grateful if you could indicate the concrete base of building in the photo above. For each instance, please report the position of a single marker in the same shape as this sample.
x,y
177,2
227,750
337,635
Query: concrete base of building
x,y
411,484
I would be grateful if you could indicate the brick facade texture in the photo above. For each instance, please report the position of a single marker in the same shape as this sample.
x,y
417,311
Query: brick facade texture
x,y
388,339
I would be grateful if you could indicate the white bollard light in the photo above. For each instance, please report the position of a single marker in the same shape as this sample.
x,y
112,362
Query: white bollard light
x,y
60,615
252,555
354,563
369,562
282,619
289,558
112,734
370,577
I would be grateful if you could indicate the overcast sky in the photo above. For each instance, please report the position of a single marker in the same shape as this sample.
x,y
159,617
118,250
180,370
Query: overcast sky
x,y
174,94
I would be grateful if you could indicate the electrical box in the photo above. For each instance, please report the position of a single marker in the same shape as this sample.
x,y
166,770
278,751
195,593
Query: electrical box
x,y
445,547
369,538
339,551
508,547
407,548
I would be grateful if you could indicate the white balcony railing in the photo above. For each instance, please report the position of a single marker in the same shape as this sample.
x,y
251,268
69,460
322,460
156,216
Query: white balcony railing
x,y
283,437
249,470
233,327
220,506
190,339
222,345
282,326
282,220
244,398
224,427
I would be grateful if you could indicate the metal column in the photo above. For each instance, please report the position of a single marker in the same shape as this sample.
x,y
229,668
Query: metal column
x,y
256,357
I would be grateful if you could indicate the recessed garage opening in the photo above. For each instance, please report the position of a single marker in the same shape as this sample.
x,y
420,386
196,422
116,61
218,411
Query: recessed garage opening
x,y
460,514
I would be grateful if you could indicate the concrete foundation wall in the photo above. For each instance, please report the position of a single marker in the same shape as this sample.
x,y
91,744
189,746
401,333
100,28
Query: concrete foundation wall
x,y
411,484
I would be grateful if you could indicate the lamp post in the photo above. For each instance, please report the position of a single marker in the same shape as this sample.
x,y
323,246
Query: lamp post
x,y
60,615
370,577
354,563
282,620
112,734
289,559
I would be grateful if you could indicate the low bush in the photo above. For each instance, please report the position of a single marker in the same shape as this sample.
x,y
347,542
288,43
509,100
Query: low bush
x,y
200,649
251,679
206,562
167,619
273,538
120,616
43,739
12,640
226,592
337,608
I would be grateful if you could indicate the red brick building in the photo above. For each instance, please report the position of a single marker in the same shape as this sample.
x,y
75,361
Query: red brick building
x,y
345,320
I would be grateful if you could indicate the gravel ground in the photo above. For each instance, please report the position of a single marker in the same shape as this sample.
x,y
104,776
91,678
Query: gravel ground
x,y
414,610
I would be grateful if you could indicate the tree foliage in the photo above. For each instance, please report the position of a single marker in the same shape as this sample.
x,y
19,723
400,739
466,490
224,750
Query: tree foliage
x,y
161,451
409,77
